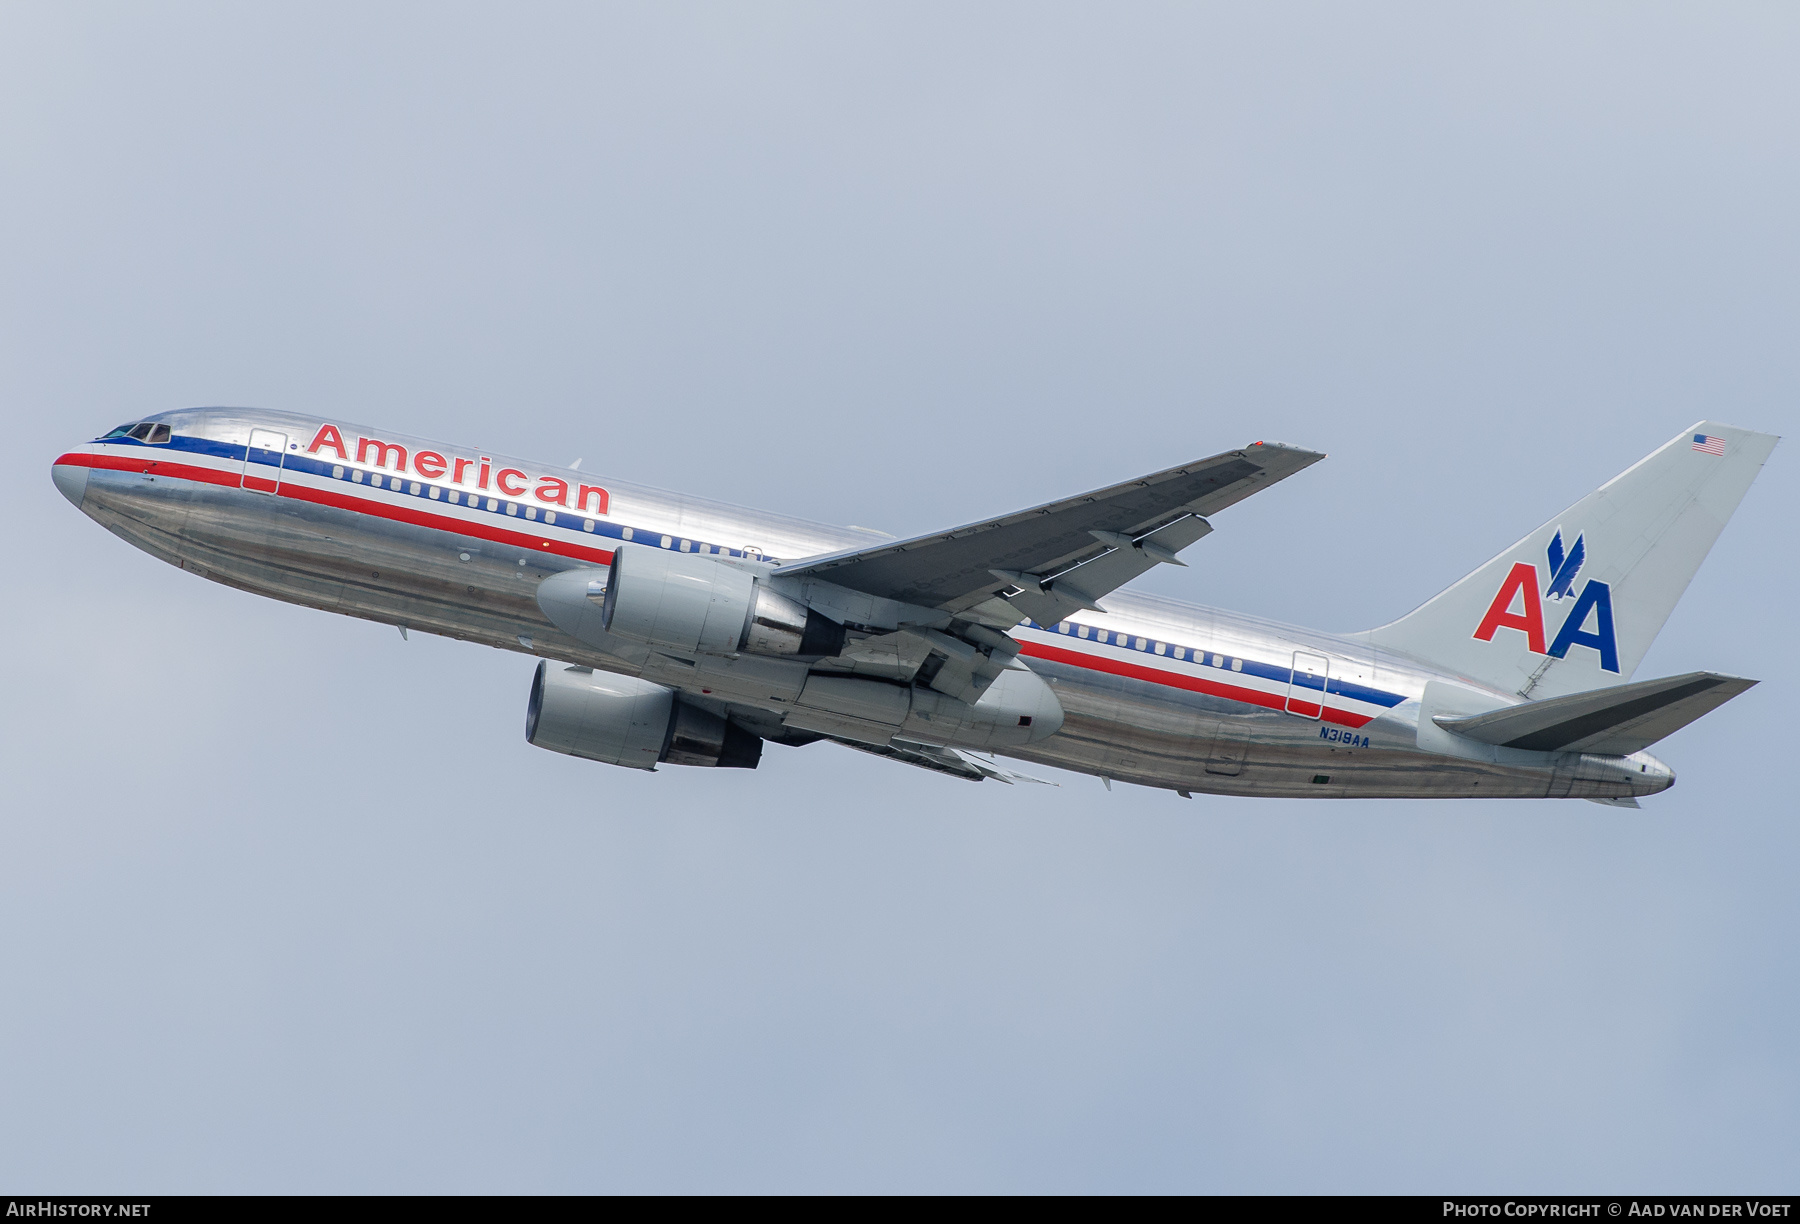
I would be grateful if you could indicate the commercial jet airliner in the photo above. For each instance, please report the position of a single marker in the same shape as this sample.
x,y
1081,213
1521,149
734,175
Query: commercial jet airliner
x,y
678,630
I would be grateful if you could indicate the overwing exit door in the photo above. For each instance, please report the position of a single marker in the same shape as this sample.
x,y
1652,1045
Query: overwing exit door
x,y
262,460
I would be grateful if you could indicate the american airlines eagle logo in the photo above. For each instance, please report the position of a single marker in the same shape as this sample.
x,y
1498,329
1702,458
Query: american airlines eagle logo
x,y
1589,621
1564,568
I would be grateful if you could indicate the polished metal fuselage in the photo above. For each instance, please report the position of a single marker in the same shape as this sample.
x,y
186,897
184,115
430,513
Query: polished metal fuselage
x,y
1154,692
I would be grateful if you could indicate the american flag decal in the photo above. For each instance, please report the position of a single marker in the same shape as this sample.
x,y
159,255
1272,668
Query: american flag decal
x,y
1708,445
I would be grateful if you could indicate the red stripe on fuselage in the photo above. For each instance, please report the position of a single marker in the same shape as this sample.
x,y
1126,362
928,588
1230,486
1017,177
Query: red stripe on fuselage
x,y
1195,684
139,463
356,505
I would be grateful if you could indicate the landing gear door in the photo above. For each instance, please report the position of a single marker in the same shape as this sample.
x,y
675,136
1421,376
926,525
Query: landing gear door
x,y
262,460
1306,685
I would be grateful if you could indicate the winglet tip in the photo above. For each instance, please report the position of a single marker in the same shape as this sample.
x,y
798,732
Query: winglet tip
x,y
1289,446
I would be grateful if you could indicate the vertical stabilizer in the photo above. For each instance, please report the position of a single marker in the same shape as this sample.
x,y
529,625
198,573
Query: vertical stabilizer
x,y
1575,604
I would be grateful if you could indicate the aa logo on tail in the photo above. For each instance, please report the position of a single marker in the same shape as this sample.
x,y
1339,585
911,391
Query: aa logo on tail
x,y
1594,603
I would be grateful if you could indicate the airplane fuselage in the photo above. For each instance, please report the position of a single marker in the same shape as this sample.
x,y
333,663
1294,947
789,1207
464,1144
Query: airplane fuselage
x,y
441,539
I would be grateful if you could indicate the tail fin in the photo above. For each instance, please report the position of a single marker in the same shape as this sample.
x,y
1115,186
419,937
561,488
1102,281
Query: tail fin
x,y
1575,604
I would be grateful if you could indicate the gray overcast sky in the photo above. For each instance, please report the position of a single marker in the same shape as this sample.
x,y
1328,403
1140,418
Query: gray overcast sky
x,y
288,904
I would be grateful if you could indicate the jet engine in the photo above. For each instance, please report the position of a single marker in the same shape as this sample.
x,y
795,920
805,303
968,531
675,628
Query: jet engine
x,y
702,605
622,720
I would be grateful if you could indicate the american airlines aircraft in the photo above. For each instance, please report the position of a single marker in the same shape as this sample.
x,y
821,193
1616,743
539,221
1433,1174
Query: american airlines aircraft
x,y
678,630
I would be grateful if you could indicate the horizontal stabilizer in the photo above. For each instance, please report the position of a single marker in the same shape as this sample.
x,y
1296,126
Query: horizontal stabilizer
x,y
1608,722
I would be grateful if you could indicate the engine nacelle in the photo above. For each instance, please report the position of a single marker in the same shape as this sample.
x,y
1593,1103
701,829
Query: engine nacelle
x,y
622,720
701,605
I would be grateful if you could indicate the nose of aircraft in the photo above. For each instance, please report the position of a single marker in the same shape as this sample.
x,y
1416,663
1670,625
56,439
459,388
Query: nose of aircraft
x,y
71,481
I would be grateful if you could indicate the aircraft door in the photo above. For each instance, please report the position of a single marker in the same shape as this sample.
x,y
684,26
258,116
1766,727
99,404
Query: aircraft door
x,y
262,460
1306,685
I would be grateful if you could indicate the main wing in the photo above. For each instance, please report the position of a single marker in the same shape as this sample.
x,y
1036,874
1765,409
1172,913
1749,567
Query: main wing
x,y
1051,560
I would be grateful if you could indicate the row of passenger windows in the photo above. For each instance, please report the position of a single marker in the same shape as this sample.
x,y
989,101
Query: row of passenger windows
x,y
496,505
1126,641
695,546
456,497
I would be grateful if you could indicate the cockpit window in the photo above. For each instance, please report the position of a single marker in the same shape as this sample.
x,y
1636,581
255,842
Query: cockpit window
x,y
144,431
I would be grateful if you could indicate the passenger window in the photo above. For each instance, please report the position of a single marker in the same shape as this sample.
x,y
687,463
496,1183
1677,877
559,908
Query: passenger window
x,y
1181,652
587,524
550,517
1161,648
337,472
625,534
413,488
531,512
434,493
1237,665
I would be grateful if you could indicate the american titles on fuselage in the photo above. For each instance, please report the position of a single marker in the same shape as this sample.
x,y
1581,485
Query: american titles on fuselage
x,y
432,465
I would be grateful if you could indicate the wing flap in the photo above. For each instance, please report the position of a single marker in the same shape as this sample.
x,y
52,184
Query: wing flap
x,y
951,761
1047,601
1614,721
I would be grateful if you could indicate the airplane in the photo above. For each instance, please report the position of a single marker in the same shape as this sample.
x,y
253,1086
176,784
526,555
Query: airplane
x,y
677,630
